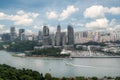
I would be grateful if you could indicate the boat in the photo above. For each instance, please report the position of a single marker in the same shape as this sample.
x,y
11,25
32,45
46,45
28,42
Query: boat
x,y
70,64
65,51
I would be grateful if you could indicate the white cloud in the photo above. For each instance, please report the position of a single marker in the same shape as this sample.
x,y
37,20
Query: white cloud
x,y
51,15
77,24
117,27
62,15
67,12
98,11
114,10
28,32
20,12
112,23
21,18
64,30
95,11
5,31
38,27
1,26
52,29
98,23
1,15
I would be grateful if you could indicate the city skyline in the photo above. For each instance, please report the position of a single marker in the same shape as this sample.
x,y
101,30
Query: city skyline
x,y
82,15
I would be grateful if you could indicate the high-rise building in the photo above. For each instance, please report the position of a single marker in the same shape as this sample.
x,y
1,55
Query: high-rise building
x,y
13,35
39,35
5,37
70,34
52,37
58,36
46,38
63,38
45,31
22,34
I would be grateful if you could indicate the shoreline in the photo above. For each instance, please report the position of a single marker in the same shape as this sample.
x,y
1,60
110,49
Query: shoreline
x,y
15,54
97,57
40,56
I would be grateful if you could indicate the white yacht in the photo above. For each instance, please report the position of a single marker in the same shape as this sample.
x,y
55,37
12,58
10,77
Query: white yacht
x,y
65,51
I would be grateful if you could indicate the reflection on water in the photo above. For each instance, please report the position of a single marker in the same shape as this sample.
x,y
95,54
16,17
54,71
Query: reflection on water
x,y
60,67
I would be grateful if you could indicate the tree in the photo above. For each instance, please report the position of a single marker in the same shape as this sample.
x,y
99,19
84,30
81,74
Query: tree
x,y
94,78
26,77
117,78
1,79
48,76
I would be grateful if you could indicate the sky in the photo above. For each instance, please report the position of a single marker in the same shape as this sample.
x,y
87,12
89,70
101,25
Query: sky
x,y
83,15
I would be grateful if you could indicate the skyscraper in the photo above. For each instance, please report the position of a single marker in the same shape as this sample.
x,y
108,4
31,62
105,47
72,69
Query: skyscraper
x,y
5,37
45,31
22,34
63,38
70,34
46,38
12,33
58,36
39,35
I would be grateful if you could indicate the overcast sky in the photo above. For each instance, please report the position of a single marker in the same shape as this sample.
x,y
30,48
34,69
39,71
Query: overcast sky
x,y
82,14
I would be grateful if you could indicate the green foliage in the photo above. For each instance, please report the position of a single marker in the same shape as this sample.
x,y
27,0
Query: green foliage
x,y
1,79
26,77
21,46
11,73
48,76
1,46
117,78
80,78
55,52
64,78
94,43
94,78
48,51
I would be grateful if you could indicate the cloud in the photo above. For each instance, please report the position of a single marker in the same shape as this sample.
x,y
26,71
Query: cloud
x,y
98,23
28,32
62,15
64,30
5,31
103,24
1,26
98,11
113,22
2,15
117,27
77,24
52,29
68,11
52,15
114,10
21,17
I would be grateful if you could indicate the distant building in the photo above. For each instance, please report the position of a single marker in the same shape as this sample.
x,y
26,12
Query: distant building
x,y
13,35
39,35
58,36
52,37
22,34
6,37
29,37
70,34
63,38
45,31
46,38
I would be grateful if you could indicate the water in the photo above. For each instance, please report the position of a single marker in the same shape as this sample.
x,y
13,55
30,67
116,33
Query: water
x,y
64,67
